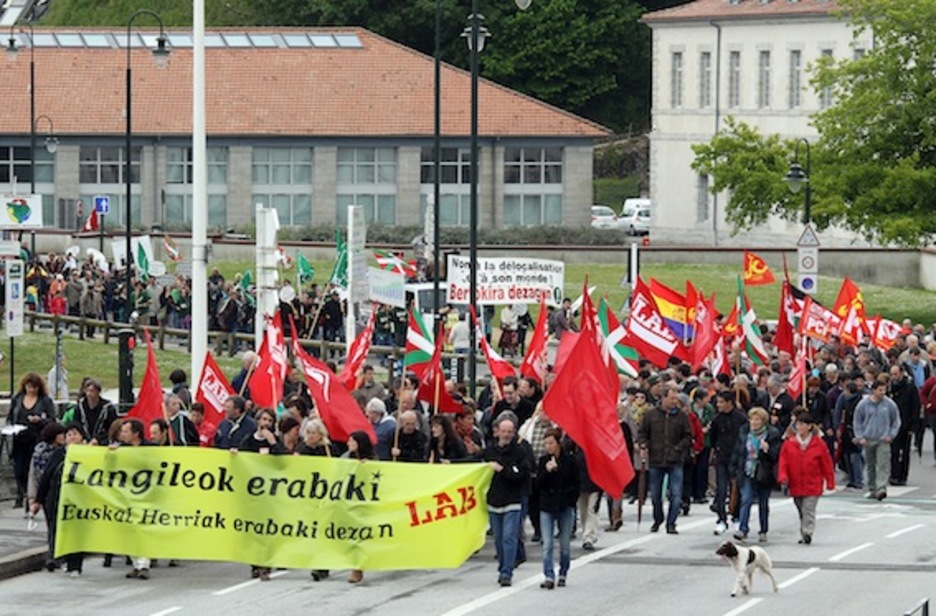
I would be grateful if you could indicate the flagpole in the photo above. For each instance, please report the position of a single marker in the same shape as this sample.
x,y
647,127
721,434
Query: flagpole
x,y
250,372
803,344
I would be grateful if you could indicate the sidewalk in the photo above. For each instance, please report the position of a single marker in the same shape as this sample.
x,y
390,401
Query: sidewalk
x,y
21,550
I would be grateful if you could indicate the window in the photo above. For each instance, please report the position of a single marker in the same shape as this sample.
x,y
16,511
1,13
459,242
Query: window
x,y
367,177
705,80
178,201
676,81
532,186
825,95
455,185
16,168
533,165
796,79
734,79
101,172
702,198
858,53
763,79
282,179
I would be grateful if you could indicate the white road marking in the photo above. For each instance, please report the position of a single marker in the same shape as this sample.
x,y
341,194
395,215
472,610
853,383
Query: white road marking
x,y
166,611
744,606
842,555
577,563
797,578
904,531
237,587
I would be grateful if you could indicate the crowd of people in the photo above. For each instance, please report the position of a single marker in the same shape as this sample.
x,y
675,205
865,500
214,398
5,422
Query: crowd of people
x,y
726,441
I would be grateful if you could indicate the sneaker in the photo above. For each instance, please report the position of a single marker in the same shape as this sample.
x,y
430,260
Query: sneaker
x,y
562,582
588,546
132,574
720,528
762,538
504,581
807,539
739,536
144,574
547,585
880,495
264,575
870,495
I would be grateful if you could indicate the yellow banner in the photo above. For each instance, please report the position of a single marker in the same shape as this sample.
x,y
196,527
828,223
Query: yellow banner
x,y
275,511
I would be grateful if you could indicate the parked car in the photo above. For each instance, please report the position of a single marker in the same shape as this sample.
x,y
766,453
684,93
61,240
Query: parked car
x,y
635,217
603,217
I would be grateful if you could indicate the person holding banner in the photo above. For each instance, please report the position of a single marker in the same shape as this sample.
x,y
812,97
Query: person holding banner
x,y
361,449
206,429
262,441
132,434
315,441
238,425
445,446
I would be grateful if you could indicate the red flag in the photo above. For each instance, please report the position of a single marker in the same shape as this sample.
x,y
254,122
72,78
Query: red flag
x,y
357,354
849,295
692,299
756,271
886,333
432,382
647,333
213,389
93,223
338,410
792,301
534,363
500,368
730,327
266,382
818,321
706,335
796,386
149,405
583,402
720,363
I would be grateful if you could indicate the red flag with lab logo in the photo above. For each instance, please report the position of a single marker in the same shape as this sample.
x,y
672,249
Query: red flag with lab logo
x,y
213,389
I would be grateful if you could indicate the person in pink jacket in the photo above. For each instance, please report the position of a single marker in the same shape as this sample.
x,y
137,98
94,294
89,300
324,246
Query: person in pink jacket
x,y
804,465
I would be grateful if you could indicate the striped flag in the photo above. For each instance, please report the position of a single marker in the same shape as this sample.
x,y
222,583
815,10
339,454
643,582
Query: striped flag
x,y
753,345
613,335
392,263
419,344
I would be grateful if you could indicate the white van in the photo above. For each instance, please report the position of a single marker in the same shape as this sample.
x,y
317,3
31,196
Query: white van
x,y
635,216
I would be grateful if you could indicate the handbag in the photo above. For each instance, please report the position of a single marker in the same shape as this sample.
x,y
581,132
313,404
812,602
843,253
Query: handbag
x,y
764,473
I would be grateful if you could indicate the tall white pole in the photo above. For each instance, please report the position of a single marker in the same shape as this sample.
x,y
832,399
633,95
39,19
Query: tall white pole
x,y
199,195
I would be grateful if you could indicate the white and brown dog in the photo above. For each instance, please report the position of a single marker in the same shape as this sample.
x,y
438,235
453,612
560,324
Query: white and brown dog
x,y
745,560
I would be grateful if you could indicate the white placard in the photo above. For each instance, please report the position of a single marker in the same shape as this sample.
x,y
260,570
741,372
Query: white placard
x,y
506,280
15,294
387,287
119,249
21,212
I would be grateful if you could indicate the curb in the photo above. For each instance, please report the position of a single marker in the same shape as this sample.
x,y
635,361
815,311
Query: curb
x,y
26,561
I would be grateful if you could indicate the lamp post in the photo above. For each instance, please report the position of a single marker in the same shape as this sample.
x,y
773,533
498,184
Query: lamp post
x,y
476,34
437,162
796,178
51,140
161,54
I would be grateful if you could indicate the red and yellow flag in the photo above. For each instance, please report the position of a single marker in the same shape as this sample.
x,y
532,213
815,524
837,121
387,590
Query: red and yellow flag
x,y
756,271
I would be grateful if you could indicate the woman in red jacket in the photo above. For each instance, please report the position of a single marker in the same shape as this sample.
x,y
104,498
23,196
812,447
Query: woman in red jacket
x,y
804,465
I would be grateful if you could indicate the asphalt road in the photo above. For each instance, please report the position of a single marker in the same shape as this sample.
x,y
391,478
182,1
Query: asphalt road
x,y
866,558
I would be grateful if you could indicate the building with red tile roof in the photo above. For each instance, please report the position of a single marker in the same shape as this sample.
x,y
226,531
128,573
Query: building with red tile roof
x,y
305,120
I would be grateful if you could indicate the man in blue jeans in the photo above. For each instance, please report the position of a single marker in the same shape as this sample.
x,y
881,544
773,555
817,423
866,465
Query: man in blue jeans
x,y
505,496
664,437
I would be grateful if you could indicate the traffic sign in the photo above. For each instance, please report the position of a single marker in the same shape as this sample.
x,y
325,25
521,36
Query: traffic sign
x,y
808,239
102,204
807,265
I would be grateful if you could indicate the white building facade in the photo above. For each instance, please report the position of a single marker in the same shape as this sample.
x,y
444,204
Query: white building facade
x,y
748,59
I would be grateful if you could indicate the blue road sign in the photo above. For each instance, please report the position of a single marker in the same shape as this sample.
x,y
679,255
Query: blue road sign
x,y
102,204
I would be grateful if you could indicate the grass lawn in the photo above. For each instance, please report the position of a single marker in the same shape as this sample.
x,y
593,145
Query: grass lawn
x,y
34,351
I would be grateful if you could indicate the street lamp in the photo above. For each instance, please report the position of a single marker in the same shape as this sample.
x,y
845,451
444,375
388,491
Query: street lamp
x,y
161,55
797,177
475,35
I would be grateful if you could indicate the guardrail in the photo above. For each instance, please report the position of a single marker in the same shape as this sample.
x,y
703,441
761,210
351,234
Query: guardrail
x,y
390,355
921,608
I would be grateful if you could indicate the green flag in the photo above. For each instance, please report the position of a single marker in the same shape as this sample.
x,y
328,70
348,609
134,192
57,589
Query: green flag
x,y
142,263
246,280
306,271
339,275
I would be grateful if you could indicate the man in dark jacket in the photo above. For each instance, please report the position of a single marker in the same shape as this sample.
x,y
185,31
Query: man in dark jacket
x,y
781,404
907,398
664,438
505,496
238,425
723,432
413,444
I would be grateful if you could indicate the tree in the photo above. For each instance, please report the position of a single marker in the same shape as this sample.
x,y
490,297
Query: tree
x,y
751,167
874,165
